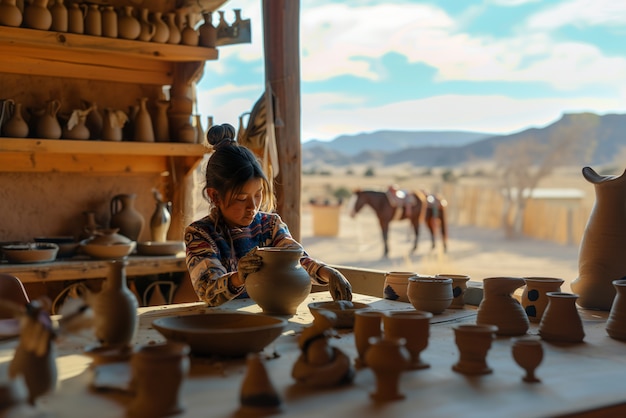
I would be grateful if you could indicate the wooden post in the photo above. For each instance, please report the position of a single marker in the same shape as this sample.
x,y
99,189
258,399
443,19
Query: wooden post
x,y
281,21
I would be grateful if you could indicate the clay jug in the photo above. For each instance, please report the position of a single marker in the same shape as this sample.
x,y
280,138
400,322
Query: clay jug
x,y
76,19
48,125
499,308
162,31
114,308
143,132
125,217
148,29
128,26
535,298
94,120
76,127
109,22
616,324
10,14
189,35
113,124
37,15
93,20
208,32
161,219
60,17
561,321
161,121
602,255
174,37
15,126
281,284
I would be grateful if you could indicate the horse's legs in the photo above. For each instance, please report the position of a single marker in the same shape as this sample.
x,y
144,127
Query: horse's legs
x,y
384,228
444,228
416,230
430,223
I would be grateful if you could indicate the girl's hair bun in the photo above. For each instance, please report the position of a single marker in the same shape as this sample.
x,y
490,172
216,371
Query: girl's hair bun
x,y
221,135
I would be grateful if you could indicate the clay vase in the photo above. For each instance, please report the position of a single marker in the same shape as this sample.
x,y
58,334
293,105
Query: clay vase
x,y
10,14
114,308
16,126
125,217
48,125
174,30
281,284
459,286
414,328
473,342
160,221
534,299
189,35
148,29
94,120
90,226
208,32
561,321
37,15
161,121
109,22
76,19
499,308
157,372
162,31
143,132
76,127
93,20
528,354
396,284
616,323
602,254
128,27
113,124
388,358
367,324
60,17
430,294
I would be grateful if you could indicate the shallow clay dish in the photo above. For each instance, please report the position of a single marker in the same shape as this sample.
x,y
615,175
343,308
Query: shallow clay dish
x,y
108,251
226,334
32,252
67,244
160,248
344,310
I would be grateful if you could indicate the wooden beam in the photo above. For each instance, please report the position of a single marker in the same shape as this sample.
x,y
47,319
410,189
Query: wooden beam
x,y
281,21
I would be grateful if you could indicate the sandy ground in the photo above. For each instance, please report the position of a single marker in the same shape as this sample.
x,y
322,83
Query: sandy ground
x,y
476,252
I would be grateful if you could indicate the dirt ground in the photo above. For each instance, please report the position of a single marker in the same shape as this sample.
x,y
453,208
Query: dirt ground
x,y
476,252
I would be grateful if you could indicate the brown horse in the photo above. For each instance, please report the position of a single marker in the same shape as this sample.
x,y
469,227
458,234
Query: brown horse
x,y
426,206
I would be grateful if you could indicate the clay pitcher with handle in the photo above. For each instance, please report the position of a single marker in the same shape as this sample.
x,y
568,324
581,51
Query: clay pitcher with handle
x,y
48,125
125,216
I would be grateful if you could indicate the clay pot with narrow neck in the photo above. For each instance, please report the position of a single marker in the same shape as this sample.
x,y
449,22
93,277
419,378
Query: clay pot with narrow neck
x,y
161,121
125,216
561,321
76,19
109,22
113,124
143,129
48,125
93,20
15,126
128,26
499,308
10,14
174,37
37,15
60,17
208,32
616,323
148,29
282,283
162,31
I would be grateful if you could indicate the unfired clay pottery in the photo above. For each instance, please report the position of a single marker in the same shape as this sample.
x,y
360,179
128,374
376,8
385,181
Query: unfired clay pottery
x,y
459,286
48,126
188,34
148,29
473,342
162,31
208,32
144,132
367,324
76,126
388,358
174,30
10,14
281,284
395,286
109,22
534,298
93,20
616,323
161,121
430,294
128,27
160,219
602,255
157,372
258,396
37,15
561,321
76,19
499,308
59,16
113,124
115,308
16,126
125,216
344,309
94,120
528,354
414,328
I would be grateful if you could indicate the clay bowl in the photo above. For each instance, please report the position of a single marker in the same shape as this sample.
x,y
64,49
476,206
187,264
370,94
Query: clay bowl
x,y
344,310
67,244
160,248
31,252
225,334
108,251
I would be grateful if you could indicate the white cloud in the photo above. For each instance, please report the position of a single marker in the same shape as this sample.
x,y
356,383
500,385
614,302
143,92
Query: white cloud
x,y
580,13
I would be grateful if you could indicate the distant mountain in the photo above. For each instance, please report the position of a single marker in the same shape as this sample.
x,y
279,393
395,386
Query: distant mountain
x,y
387,150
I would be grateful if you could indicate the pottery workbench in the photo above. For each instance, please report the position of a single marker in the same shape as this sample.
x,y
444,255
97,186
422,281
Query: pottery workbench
x,y
580,380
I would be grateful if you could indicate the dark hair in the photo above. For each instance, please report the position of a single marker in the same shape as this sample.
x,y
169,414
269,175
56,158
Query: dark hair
x,y
232,165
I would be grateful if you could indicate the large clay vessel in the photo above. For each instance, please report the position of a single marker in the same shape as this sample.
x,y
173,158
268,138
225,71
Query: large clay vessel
x,y
561,321
602,255
125,217
499,308
115,308
37,15
10,14
281,284
535,298
616,324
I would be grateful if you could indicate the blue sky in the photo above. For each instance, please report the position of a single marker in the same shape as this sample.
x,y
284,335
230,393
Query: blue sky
x,y
495,66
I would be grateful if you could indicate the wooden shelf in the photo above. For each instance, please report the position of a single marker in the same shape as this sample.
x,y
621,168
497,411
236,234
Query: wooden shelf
x,y
60,54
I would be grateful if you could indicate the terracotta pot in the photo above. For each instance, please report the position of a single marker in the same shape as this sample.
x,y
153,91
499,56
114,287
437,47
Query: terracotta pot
x,y
160,221
76,19
388,358
60,17
534,297
113,124
616,323
396,284
161,121
37,15
174,37
48,125
10,14
499,308
459,286
125,216
561,321
162,31
430,294
473,342
208,32
367,324
602,254
148,29
93,20
144,132
414,328
281,284
189,35
128,26
109,22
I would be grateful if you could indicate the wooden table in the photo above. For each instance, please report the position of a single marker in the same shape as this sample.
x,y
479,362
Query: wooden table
x,y
574,378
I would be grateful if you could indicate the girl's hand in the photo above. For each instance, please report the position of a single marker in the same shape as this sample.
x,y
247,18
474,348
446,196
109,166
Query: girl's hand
x,y
338,286
249,263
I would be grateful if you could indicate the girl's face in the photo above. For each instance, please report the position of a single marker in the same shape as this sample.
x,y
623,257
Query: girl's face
x,y
239,210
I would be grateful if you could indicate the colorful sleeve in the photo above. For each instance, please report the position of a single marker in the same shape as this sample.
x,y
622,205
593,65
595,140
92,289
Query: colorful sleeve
x,y
209,277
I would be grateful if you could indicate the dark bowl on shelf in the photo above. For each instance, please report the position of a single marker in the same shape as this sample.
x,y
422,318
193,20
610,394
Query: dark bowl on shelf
x,y
67,244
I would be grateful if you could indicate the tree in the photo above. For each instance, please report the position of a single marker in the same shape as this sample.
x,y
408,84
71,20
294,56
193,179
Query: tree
x,y
522,163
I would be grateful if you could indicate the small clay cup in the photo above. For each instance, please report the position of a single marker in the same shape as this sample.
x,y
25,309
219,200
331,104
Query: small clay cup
x,y
412,326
